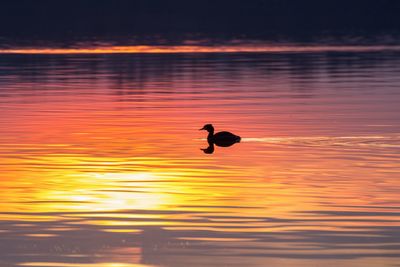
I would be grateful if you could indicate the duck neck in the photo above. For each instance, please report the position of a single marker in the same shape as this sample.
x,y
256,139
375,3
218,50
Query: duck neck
x,y
210,135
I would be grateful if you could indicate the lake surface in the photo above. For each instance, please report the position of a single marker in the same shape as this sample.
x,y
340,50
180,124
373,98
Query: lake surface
x,y
101,161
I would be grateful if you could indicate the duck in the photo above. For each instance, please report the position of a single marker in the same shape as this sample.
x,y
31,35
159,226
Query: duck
x,y
223,139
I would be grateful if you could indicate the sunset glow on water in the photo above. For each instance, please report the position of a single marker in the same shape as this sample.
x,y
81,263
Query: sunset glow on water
x,y
100,160
181,49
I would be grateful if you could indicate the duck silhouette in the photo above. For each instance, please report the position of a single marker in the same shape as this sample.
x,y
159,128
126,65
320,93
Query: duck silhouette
x,y
222,139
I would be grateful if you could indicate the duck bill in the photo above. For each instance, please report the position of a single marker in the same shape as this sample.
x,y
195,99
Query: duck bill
x,y
202,129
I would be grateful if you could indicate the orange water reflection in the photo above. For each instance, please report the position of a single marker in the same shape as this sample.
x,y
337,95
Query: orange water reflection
x,y
109,173
168,49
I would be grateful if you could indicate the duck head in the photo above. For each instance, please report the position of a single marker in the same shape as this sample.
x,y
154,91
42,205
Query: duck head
x,y
208,127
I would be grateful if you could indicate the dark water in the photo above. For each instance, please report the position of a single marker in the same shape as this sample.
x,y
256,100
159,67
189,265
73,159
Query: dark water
x,y
100,160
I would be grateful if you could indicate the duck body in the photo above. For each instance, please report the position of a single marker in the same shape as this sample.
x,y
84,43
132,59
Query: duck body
x,y
223,139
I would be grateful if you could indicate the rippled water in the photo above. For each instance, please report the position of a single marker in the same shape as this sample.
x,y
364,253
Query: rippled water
x,y
100,160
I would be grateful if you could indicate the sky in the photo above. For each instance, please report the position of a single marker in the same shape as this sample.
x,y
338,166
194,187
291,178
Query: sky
x,y
257,19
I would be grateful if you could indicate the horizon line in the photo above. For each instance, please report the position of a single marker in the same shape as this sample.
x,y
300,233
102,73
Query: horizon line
x,y
185,49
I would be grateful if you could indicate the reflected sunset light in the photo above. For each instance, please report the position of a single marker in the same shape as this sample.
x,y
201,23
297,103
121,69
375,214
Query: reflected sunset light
x,y
101,161
168,49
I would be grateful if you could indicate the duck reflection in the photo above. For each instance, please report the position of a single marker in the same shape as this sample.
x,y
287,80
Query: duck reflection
x,y
222,139
209,149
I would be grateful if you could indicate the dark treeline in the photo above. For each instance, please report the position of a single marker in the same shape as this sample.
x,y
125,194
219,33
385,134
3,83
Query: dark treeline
x,y
49,19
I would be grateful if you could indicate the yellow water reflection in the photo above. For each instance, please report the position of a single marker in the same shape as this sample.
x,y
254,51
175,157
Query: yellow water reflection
x,y
52,183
